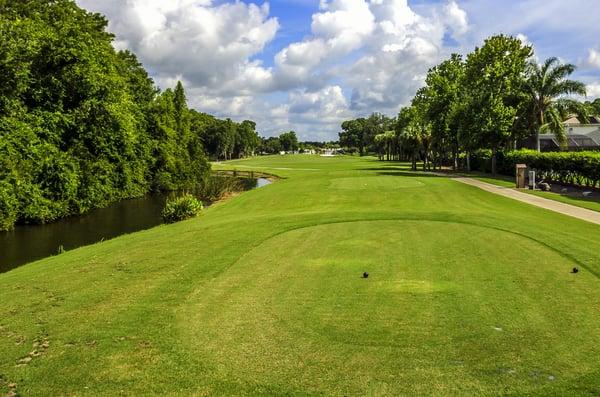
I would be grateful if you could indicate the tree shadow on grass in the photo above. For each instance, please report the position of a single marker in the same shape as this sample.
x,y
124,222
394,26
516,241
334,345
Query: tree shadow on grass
x,y
412,174
571,196
387,169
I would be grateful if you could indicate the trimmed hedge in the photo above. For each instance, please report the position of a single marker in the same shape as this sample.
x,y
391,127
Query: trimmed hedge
x,y
575,168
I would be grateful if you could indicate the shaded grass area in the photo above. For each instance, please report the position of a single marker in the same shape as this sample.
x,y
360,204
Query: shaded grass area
x,y
470,294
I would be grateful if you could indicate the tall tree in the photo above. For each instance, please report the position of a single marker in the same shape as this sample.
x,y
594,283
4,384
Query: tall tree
x,y
408,130
247,140
544,87
442,92
353,135
289,141
494,78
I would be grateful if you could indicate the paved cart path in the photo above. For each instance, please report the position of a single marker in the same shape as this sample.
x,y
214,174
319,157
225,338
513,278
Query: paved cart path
x,y
562,208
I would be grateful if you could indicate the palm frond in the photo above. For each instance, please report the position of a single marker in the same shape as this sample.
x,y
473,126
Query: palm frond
x,y
568,107
568,87
555,125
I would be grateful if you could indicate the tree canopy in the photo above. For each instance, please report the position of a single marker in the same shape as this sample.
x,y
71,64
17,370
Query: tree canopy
x,y
496,98
82,125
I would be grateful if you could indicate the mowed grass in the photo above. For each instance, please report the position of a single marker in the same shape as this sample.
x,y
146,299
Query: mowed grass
x,y
583,202
469,294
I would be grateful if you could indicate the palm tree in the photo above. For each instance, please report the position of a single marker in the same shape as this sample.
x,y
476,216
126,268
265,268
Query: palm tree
x,y
545,86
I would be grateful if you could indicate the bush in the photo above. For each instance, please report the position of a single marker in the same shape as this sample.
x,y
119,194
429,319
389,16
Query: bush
x,y
575,168
9,206
181,208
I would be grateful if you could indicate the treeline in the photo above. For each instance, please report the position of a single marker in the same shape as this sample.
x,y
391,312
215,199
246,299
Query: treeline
x,y
225,139
497,98
82,125
286,142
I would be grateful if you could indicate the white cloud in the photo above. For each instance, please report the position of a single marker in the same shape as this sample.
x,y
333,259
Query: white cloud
x,y
344,24
360,55
593,59
327,105
396,47
313,114
593,90
209,45
404,46
341,27
524,39
457,19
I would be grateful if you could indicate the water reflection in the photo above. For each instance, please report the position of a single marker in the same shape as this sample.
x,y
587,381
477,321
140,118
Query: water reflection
x,y
28,243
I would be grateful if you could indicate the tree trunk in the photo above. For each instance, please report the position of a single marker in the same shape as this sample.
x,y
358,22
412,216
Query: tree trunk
x,y
494,158
468,162
537,135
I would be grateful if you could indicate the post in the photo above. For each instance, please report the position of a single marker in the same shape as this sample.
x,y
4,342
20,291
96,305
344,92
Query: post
x,y
532,180
520,173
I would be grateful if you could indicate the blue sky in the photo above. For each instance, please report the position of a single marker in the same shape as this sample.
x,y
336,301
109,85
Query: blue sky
x,y
307,65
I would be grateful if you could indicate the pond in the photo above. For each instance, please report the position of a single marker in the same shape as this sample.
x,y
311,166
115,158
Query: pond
x,y
27,243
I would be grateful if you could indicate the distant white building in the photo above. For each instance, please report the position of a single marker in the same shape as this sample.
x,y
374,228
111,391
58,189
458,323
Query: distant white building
x,y
330,152
579,136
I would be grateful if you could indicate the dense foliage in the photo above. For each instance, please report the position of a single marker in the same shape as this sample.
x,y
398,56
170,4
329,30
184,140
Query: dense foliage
x,y
72,127
82,125
289,141
286,142
181,208
575,168
496,99
225,139
359,135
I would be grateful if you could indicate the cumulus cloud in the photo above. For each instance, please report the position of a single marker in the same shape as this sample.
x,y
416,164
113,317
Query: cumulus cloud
x,y
340,27
213,48
359,56
328,105
457,19
396,47
401,50
593,59
209,45
593,90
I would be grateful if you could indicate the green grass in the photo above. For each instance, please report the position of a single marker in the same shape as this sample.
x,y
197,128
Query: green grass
x,y
469,294
583,202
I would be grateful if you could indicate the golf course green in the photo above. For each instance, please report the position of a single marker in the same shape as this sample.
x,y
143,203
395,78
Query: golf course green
x,y
468,293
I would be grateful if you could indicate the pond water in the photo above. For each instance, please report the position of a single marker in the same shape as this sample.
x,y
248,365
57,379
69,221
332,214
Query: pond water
x,y
27,243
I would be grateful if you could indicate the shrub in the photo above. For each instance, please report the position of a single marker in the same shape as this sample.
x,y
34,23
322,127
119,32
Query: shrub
x,y
181,208
575,168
